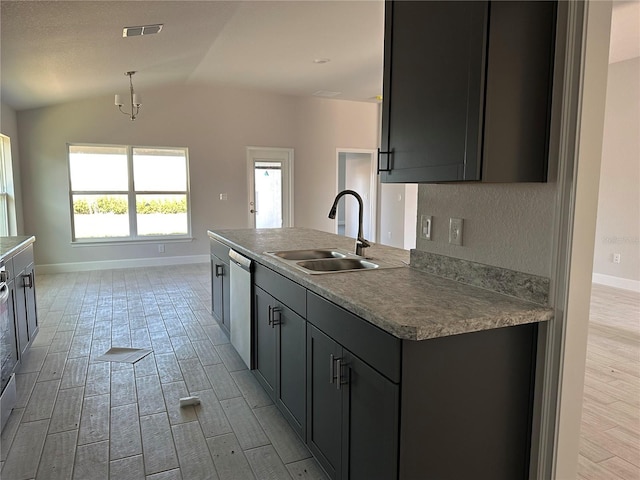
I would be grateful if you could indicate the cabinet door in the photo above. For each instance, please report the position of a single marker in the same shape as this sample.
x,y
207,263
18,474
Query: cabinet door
x,y
29,280
291,349
265,354
370,422
520,59
217,274
433,90
20,305
324,401
226,297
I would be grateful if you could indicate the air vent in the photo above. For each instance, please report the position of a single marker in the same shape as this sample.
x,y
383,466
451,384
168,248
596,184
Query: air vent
x,y
141,30
325,93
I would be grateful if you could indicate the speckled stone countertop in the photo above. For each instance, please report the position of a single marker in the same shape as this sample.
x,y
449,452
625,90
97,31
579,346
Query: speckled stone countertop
x,y
11,245
405,302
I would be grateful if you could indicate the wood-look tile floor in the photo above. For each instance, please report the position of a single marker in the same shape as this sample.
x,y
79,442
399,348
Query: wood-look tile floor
x,y
80,418
610,434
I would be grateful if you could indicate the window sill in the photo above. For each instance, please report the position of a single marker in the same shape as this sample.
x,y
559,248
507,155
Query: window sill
x,y
119,242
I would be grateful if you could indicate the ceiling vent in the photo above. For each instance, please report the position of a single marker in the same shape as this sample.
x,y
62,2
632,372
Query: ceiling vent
x,y
325,93
141,30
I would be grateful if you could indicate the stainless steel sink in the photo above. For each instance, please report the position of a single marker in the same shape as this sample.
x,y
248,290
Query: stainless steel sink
x,y
337,264
328,260
309,254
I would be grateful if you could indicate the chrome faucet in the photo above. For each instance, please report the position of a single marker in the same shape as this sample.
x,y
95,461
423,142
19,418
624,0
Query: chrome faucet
x,y
361,243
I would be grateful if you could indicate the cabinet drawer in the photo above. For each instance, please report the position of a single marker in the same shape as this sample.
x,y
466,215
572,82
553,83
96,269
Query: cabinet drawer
x,y
220,250
23,259
281,288
376,347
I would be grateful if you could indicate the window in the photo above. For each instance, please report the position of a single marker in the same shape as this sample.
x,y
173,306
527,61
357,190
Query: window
x,y
128,193
6,187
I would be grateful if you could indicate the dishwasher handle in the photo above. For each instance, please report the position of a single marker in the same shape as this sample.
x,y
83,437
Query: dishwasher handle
x,y
240,260
4,292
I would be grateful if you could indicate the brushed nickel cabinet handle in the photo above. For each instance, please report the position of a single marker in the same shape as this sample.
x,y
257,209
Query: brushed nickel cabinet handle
x,y
276,321
332,375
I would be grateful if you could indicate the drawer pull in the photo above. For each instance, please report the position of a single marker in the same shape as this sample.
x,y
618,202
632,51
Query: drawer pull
x,y
338,374
388,154
219,270
335,371
28,280
273,321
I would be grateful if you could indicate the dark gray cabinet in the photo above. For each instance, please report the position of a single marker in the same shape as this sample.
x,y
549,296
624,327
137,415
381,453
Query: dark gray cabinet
x,y
447,408
467,91
371,405
24,296
352,412
280,347
220,284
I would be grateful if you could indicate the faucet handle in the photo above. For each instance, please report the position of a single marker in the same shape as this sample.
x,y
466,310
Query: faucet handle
x,y
361,244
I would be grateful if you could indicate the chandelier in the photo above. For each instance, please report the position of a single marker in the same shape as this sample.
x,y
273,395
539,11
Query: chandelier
x,y
134,99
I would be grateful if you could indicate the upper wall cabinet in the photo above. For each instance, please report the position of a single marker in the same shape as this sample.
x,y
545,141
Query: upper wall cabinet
x,y
467,91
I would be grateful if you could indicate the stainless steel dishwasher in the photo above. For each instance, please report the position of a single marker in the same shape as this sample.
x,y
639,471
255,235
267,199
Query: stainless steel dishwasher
x,y
240,308
8,349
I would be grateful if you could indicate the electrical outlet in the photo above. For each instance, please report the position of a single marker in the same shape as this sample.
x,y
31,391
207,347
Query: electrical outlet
x,y
161,248
455,231
223,197
425,226
616,258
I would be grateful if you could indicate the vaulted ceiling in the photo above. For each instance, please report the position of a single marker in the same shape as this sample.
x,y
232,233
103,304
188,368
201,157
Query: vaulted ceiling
x,y
56,51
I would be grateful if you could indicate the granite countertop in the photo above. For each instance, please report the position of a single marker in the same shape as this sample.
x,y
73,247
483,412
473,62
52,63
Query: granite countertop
x,y
405,302
11,245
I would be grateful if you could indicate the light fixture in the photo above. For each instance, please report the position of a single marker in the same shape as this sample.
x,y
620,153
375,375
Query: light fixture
x,y
134,99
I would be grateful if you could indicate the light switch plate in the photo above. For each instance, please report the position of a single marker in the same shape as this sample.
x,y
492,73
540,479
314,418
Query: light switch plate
x,y
425,226
455,231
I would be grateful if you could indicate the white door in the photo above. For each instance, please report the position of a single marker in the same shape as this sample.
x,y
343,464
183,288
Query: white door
x,y
270,180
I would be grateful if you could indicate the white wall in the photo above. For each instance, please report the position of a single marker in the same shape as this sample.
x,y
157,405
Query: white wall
x,y
398,213
392,225
358,179
618,225
410,215
322,127
216,124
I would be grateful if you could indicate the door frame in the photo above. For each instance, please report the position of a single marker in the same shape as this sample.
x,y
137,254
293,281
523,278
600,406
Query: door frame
x,y
563,341
373,186
287,181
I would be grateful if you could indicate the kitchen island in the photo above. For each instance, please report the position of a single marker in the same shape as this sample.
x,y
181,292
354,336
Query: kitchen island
x,y
18,312
9,246
392,373
16,255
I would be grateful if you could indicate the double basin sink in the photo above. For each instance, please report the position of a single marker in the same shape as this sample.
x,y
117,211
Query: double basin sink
x,y
327,260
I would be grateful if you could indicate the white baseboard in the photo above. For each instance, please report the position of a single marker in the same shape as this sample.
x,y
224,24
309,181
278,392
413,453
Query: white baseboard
x,y
617,282
125,263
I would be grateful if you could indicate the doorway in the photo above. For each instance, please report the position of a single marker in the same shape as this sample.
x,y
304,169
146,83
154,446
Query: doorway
x,y
270,182
357,171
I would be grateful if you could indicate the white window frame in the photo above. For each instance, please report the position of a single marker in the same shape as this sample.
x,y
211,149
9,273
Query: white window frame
x,y
7,204
131,195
